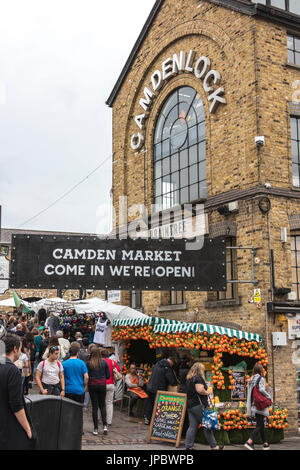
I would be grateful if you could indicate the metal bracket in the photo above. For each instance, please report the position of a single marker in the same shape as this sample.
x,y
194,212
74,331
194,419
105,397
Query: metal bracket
x,y
253,254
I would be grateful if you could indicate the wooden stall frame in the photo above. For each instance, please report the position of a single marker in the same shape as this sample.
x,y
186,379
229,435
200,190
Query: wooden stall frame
x,y
174,394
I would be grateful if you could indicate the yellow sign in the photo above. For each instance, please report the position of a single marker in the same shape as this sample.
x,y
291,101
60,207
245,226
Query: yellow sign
x,y
257,296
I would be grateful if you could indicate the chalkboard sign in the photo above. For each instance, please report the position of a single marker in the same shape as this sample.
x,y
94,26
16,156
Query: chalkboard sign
x,y
168,417
239,391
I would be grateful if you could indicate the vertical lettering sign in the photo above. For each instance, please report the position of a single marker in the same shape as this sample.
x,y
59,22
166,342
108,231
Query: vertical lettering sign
x,y
88,262
239,391
168,417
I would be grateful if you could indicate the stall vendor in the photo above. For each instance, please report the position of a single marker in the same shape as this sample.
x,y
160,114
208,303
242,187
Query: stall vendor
x,y
134,381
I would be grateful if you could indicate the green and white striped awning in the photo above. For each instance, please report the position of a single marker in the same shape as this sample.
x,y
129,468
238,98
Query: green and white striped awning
x,y
161,325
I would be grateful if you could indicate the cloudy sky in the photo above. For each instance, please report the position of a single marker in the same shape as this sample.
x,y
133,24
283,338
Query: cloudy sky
x,y
59,60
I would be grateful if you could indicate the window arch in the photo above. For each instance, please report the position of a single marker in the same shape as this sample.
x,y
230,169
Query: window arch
x,y
179,150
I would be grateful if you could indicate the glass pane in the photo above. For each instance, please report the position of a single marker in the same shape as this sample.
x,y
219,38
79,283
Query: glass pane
x,y
293,243
174,181
166,201
296,181
191,118
294,128
158,204
193,174
175,162
184,195
202,151
202,191
278,3
202,171
294,276
166,184
174,198
193,154
201,131
158,187
290,42
193,135
298,123
183,109
298,243
295,151
157,152
179,133
187,94
293,257
158,130
183,159
198,106
172,100
295,6
165,148
297,58
184,177
291,57
157,170
297,44
298,259
194,194
166,166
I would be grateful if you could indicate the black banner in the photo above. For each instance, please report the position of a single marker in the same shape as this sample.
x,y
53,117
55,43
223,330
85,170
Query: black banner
x,y
61,262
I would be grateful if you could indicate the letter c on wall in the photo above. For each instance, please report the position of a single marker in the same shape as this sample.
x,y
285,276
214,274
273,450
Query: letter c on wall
x,y
137,141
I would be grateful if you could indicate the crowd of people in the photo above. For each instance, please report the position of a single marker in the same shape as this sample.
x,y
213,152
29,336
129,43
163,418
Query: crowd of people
x,y
85,372
78,370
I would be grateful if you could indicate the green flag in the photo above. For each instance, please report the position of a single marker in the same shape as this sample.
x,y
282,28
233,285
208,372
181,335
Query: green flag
x,y
20,305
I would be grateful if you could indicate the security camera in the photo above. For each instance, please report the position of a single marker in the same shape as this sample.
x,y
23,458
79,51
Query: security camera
x,y
260,141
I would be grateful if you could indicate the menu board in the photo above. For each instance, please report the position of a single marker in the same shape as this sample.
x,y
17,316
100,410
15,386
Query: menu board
x,y
239,391
168,417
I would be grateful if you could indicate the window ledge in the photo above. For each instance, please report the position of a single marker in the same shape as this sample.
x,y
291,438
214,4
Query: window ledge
x,y
223,303
295,188
170,308
293,66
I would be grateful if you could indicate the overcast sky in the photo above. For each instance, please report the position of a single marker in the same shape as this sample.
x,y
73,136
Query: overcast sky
x,y
59,61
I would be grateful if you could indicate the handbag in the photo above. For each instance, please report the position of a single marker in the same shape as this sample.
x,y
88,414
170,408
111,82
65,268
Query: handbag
x,y
210,419
260,401
117,375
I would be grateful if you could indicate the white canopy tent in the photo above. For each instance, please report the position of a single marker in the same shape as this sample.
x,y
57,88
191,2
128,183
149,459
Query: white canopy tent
x,y
7,303
88,306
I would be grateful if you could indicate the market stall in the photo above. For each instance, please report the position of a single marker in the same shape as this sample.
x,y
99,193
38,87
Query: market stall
x,y
227,354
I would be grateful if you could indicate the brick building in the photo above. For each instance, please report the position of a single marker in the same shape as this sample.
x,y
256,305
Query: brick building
x,y
204,79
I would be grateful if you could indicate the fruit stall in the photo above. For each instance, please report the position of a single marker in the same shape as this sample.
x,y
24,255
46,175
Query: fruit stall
x,y
228,356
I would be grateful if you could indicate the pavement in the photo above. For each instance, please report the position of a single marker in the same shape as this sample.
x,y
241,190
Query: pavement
x,y
126,434
131,434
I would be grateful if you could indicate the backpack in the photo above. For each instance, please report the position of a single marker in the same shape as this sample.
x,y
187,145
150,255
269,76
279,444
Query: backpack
x,y
260,401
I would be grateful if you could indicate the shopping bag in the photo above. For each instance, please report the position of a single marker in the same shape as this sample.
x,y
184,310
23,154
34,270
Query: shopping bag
x,y
210,419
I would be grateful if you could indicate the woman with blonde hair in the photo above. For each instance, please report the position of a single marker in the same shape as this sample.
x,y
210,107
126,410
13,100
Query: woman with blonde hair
x,y
197,401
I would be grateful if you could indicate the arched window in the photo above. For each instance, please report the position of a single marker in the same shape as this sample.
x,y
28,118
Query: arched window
x,y
179,150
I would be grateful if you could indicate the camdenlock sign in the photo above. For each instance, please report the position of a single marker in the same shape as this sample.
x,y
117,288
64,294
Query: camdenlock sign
x,y
91,263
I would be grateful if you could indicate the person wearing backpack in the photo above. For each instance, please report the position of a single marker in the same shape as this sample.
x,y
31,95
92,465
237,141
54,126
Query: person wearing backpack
x,y
49,374
258,402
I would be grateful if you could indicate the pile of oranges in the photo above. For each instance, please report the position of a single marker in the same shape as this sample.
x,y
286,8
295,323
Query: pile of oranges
x,y
278,418
233,419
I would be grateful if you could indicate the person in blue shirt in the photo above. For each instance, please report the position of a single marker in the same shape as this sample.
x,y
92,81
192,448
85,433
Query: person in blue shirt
x,y
76,375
